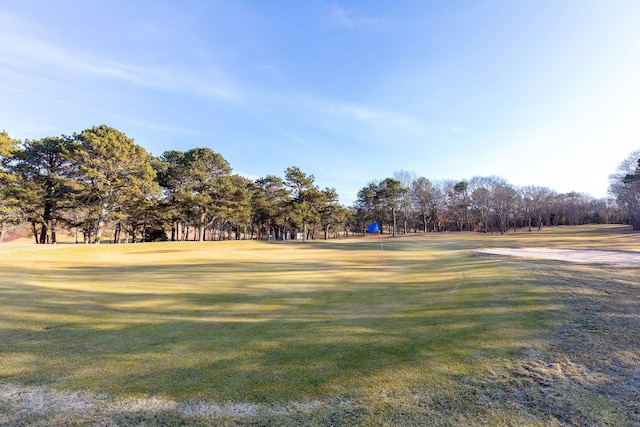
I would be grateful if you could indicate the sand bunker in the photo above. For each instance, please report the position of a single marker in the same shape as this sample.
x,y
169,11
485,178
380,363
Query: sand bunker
x,y
585,256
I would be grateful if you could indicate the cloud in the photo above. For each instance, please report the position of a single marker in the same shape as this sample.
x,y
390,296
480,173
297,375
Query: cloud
x,y
345,18
359,112
266,67
372,116
35,57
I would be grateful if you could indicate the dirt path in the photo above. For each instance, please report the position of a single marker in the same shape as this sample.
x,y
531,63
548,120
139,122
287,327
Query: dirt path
x,y
585,256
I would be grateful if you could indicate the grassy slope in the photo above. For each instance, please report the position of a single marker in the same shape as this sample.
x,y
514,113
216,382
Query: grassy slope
x,y
425,331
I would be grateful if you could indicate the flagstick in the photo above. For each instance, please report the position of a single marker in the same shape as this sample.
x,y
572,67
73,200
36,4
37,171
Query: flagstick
x,y
384,264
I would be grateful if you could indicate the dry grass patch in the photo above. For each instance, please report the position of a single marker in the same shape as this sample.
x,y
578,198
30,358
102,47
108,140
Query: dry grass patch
x,y
320,333
588,371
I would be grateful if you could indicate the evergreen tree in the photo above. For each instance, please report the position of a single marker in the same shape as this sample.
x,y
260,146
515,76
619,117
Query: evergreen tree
x,y
48,173
194,180
234,203
114,172
422,195
269,206
304,195
330,210
390,192
10,213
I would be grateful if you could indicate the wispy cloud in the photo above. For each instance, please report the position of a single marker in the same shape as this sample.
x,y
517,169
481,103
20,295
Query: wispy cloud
x,y
331,120
162,127
266,67
33,56
359,112
345,18
371,116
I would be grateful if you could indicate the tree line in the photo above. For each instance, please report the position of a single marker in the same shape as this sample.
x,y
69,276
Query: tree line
x,y
625,187
99,181
483,204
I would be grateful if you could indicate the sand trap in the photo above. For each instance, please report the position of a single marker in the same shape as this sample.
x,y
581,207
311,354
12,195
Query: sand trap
x,y
586,256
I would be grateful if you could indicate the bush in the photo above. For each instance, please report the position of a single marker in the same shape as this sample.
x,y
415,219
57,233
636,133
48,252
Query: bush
x,y
157,234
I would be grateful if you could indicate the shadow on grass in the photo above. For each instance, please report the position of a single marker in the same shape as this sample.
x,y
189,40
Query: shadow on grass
x,y
265,332
436,335
589,373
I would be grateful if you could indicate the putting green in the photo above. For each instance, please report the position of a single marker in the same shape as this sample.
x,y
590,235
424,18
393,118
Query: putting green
x,y
380,321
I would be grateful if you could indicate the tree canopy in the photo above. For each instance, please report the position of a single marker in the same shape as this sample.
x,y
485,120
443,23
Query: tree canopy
x,y
100,180
625,186
10,211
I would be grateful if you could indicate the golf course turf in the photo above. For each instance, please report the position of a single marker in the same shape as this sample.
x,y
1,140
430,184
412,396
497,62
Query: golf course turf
x,y
415,330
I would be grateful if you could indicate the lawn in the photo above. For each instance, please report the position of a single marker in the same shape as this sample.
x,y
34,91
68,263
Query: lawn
x,y
417,330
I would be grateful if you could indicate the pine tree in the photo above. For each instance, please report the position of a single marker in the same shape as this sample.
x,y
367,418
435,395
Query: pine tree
x,y
9,201
115,173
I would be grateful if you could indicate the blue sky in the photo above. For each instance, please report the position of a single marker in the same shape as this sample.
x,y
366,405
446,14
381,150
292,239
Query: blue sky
x,y
536,92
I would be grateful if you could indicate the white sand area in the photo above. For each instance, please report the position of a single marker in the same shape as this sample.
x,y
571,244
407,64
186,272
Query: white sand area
x,y
585,256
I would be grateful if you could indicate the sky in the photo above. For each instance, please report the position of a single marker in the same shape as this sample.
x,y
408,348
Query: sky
x,y
541,92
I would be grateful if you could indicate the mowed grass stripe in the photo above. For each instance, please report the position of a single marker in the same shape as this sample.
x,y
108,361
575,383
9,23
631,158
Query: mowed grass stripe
x,y
260,321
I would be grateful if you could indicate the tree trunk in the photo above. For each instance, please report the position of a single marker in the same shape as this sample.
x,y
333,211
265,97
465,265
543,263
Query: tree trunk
x,y
203,218
43,234
34,230
393,231
466,215
46,218
134,228
53,220
101,221
54,238
502,225
144,228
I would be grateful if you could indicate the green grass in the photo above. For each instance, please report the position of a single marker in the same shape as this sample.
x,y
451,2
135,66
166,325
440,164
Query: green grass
x,y
413,334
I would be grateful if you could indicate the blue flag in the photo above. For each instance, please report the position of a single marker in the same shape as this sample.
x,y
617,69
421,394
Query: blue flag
x,y
373,228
